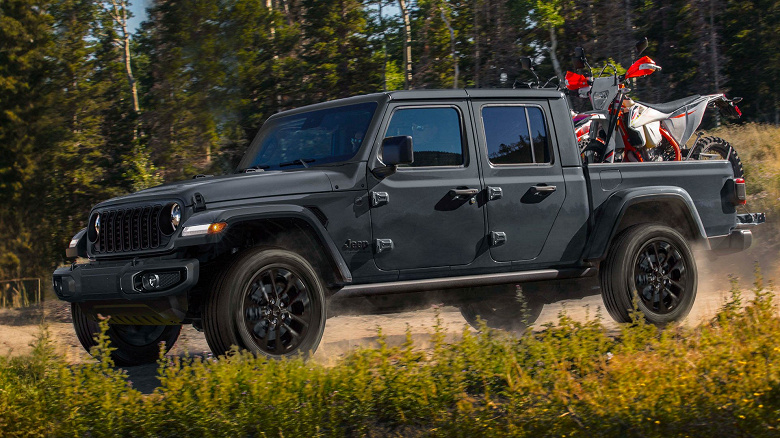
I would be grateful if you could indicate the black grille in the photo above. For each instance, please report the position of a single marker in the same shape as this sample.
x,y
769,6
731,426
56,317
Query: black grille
x,y
129,229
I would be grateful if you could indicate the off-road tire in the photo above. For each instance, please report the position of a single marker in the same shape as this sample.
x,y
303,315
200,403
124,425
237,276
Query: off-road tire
x,y
665,291
504,310
592,151
717,145
246,300
134,344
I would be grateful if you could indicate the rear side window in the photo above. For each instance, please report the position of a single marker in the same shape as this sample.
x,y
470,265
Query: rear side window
x,y
516,135
436,135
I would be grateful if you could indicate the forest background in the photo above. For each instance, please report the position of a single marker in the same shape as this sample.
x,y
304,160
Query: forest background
x,y
91,109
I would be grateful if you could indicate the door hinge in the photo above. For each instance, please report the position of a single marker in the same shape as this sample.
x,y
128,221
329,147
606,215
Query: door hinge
x,y
495,193
379,198
383,245
198,202
497,238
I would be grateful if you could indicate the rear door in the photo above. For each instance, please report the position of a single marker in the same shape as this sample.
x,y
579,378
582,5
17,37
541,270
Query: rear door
x,y
524,178
417,220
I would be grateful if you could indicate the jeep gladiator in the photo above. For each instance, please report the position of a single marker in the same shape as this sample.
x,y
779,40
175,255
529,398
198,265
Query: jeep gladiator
x,y
402,192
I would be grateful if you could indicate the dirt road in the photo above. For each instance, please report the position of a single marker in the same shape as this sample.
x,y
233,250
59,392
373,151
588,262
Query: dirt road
x,y
19,327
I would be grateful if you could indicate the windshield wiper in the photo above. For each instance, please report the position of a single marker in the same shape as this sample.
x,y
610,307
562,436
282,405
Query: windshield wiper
x,y
302,161
259,167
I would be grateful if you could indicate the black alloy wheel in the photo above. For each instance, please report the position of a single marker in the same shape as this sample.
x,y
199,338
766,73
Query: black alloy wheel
x,y
655,264
660,276
270,301
277,311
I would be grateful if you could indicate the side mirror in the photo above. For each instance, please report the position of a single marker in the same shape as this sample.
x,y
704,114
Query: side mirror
x,y
579,58
394,151
397,150
526,63
641,46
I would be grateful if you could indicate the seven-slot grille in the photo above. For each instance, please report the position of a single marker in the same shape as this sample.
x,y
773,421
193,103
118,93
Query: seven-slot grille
x,y
129,229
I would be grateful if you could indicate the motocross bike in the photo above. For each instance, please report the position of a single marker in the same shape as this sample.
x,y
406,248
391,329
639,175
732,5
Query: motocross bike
x,y
648,132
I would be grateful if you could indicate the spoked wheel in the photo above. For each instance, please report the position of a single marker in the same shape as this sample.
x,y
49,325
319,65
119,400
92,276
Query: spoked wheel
x,y
716,148
592,151
654,262
270,302
134,344
276,311
664,151
660,276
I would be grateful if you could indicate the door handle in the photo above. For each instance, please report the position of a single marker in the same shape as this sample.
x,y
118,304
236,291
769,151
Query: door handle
x,y
544,189
463,193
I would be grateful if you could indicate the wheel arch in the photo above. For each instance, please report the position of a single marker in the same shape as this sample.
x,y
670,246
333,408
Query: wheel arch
x,y
292,227
670,206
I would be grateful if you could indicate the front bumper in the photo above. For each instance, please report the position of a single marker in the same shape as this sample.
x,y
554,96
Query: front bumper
x,y
124,280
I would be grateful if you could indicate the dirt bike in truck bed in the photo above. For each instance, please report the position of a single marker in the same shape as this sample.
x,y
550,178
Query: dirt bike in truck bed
x,y
405,193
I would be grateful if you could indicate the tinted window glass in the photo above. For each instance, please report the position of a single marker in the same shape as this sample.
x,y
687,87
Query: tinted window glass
x,y
506,133
510,141
318,137
539,135
436,135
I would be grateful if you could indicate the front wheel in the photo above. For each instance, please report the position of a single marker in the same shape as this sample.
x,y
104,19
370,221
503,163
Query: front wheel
x,y
592,151
716,148
655,264
133,344
270,302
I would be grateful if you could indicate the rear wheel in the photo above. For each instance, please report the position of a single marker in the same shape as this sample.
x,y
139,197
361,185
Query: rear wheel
x,y
663,151
134,344
270,302
510,309
654,262
716,148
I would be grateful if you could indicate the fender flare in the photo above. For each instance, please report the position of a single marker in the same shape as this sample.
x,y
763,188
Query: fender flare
x,y
610,214
238,215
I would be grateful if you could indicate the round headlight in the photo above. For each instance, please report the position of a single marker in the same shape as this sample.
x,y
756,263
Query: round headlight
x,y
175,216
93,230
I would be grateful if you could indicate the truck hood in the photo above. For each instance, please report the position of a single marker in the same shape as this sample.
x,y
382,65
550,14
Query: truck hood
x,y
235,187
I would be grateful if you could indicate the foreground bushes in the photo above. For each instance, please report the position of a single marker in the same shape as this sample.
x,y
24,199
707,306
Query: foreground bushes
x,y
721,379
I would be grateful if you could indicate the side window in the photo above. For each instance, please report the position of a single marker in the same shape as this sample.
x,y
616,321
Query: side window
x,y
436,135
509,139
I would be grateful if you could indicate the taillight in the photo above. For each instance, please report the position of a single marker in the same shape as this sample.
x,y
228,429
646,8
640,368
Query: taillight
x,y
740,192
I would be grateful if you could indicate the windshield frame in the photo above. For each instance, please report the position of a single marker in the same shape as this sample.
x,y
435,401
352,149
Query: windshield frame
x,y
251,158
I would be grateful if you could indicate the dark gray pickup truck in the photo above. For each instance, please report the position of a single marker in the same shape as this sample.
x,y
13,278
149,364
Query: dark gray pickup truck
x,y
396,193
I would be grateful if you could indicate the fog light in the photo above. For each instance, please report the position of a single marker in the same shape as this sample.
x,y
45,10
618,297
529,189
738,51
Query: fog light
x,y
57,286
151,281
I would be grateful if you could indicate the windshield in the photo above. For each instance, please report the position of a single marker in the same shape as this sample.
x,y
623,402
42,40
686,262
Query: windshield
x,y
309,139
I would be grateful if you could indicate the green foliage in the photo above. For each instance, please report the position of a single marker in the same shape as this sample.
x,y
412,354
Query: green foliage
x,y
572,379
210,72
757,146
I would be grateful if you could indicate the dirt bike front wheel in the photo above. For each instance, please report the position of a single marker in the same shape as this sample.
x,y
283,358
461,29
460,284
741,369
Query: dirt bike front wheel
x,y
592,151
716,148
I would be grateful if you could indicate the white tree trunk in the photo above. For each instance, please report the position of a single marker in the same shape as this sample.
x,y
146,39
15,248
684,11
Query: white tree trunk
x,y
407,45
452,47
553,57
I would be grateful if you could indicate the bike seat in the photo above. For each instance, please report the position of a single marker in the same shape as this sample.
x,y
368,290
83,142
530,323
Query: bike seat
x,y
670,107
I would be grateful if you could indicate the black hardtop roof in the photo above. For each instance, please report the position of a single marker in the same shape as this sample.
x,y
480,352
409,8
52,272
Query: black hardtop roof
x,y
474,93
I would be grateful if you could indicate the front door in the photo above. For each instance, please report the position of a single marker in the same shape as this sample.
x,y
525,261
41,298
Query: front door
x,y
426,214
524,180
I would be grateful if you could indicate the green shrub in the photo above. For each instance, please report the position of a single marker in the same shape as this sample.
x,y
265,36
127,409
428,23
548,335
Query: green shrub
x,y
570,379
